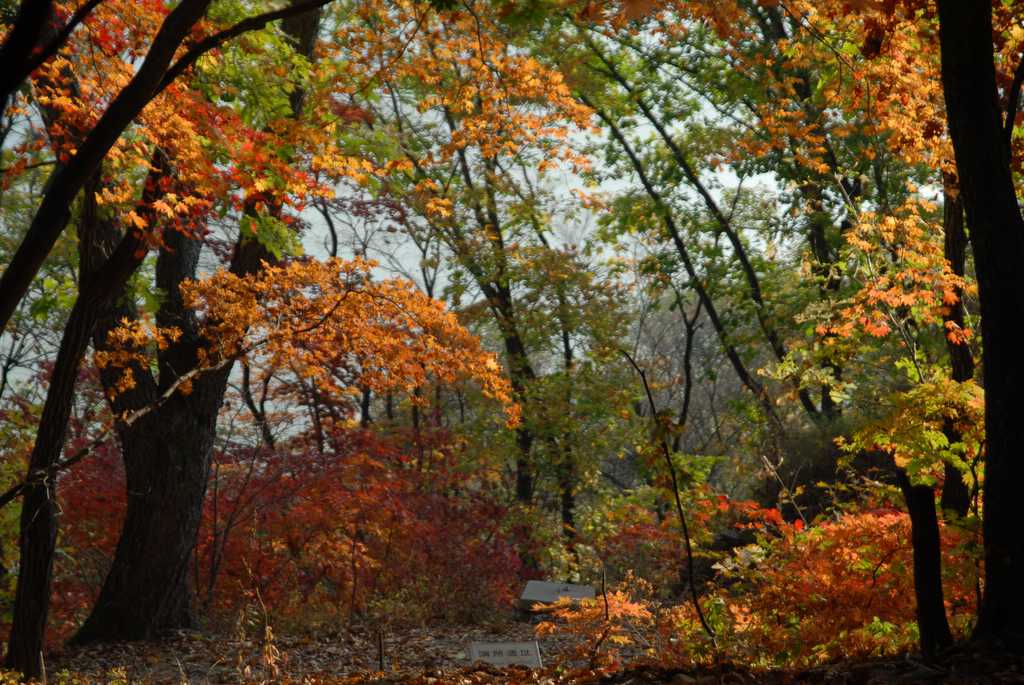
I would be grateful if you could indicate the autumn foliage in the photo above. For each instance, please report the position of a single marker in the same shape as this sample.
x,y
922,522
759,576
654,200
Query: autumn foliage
x,y
842,589
676,298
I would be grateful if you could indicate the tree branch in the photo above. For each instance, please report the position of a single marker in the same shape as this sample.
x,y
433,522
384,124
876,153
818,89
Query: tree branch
x,y
216,40
58,40
1012,103
675,491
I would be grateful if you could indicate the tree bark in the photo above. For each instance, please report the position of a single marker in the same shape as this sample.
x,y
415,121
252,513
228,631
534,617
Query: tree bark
x,y
997,239
38,527
924,533
167,457
956,498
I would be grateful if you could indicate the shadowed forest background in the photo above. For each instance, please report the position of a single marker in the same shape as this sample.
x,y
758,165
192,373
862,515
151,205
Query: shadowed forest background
x,y
324,316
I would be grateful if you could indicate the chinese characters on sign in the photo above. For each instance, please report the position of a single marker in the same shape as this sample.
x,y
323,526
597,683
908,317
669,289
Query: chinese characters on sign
x,y
506,653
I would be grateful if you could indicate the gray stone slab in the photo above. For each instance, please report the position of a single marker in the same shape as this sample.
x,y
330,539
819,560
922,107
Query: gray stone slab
x,y
505,653
547,593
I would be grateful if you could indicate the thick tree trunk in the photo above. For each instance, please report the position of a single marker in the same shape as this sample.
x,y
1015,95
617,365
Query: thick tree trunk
x,y
997,239
167,458
924,526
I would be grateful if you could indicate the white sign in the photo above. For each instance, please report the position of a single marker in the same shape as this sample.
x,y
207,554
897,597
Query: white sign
x,y
506,653
546,593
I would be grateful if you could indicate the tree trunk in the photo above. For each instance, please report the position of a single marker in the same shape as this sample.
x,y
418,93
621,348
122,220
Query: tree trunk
x,y
924,527
567,486
167,458
956,498
997,239
521,375
101,277
364,409
38,528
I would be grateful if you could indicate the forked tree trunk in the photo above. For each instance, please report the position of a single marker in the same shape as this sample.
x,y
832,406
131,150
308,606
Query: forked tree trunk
x,y
167,454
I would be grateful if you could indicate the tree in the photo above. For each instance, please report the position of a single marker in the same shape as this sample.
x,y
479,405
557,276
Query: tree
x,y
466,111
981,131
167,453
70,175
73,130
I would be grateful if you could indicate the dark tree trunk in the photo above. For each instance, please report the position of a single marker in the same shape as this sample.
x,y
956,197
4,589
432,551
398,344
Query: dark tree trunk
x,y
567,476
364,409
524,467
167,457
521,375
167,463
956,498
525,470
997,239
567,486
417,428
924,526
102,277
38,529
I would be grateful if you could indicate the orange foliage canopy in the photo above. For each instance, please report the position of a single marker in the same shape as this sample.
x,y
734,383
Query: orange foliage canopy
x,y
309,315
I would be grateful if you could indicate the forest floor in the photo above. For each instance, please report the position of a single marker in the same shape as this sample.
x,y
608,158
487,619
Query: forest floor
x,y
437,656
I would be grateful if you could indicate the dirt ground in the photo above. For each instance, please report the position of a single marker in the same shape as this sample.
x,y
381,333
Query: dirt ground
x,y
437,656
